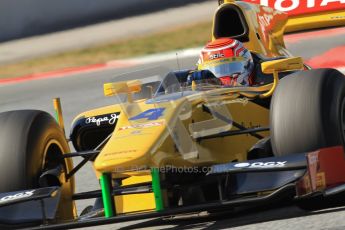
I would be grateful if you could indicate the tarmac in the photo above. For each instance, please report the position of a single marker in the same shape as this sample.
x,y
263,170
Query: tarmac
x,y
93,35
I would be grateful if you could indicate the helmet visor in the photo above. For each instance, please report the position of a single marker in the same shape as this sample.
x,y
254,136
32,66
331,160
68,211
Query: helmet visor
x,y
226,67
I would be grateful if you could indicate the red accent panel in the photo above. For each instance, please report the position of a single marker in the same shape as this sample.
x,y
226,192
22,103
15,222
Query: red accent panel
x,y
326,169
332,162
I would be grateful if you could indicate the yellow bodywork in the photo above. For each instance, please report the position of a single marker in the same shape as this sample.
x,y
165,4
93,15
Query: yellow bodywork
x,y
140,147
171,138
316,21
135,202
137,146
266,28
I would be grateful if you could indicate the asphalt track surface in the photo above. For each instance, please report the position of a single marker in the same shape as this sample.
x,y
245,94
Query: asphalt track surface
x,y
107,32
85,91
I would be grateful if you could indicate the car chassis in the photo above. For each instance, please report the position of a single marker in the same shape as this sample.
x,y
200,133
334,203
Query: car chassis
x,y
315,177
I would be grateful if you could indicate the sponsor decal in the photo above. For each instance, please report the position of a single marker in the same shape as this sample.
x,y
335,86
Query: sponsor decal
x,y
141,126
150,114
307,187
106,119
136,132
272,164
215,56
17,196
313,168
338,17
121,152
320,181
298,7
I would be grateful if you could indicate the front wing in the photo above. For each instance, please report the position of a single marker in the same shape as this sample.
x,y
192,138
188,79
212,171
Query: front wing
x,y
304,175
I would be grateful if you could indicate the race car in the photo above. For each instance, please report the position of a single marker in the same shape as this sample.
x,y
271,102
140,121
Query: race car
x,y
170,146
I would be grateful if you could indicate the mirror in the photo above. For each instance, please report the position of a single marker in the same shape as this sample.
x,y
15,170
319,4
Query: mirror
x,y
282,65
112,89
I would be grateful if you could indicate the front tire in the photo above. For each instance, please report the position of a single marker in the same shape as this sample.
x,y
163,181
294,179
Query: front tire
x,y
307,112
32,142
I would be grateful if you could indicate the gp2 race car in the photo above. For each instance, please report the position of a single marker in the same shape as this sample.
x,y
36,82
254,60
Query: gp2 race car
x,y
167,147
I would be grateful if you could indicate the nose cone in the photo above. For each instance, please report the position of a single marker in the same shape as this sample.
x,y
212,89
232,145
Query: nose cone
x,y
131,146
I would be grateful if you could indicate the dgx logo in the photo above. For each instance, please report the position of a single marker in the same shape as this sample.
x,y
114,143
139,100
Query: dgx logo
x,y
261,164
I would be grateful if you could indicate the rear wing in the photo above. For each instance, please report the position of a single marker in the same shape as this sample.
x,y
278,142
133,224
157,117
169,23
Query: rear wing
x,y
307,14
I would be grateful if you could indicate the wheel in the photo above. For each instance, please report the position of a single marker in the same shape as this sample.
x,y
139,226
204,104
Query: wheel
x,y
31,142
307,112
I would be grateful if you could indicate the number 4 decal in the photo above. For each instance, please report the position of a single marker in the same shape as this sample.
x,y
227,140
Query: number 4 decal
x,y
150,114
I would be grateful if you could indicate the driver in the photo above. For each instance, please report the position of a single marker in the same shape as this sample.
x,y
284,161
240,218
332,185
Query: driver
x,y
229,61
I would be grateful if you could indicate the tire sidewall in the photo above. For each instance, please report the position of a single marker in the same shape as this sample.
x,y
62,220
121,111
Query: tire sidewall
x,y
44,132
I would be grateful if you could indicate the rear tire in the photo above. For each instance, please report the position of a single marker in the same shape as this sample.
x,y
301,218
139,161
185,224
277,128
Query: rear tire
x,y
30,143
307,112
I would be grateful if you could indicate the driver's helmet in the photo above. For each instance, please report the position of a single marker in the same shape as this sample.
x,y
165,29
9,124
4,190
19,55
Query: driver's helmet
x,y
228,60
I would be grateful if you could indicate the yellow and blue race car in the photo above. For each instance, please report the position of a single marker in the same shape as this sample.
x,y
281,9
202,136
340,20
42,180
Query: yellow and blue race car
x,y
171,145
